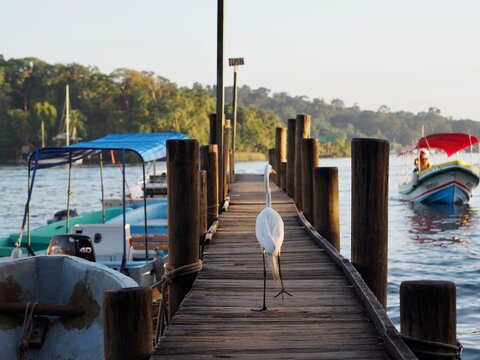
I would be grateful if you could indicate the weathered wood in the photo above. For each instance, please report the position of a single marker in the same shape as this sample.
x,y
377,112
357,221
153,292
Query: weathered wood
x,y
280,151
203,226
213,129
310,160
209,162
283,175
183,219
271,156
67,310
323,319
290,182
227,133
326,215
370,213
220,98
302,131
428,312
127,323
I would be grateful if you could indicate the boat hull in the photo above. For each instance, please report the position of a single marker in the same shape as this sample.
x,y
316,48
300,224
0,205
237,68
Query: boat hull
x,y
58,279
447,183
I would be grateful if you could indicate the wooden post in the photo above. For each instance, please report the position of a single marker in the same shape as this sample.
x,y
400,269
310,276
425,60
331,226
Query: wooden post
x,y
220,98
183,200
370,213
226,156
428,312
302,131
209,162
280,151
283,175
290,157
203,206
127,324
325,204
271,156
213,128
310,160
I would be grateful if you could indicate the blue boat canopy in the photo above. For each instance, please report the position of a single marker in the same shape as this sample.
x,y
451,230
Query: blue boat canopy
x,y
149,147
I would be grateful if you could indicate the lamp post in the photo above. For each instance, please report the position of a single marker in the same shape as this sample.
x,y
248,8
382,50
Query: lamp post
x,y
235,62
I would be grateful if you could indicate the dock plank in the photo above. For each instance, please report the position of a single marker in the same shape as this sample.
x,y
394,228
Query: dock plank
x,y
324,319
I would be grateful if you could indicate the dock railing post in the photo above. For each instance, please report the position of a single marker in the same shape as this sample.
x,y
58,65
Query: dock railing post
x,y
280,151
302,131
271,156
428,316
370,213
127,324
227,139
310,160
213,129
183,166
209,162
290,157
325,204
203,207
283,176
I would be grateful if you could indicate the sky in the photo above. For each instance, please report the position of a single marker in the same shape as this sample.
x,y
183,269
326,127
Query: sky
x,y
406,54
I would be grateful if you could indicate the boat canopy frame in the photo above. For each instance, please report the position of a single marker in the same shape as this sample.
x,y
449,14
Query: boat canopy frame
x,y
148,147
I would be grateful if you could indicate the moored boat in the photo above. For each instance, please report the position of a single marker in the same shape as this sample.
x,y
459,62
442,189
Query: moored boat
x,y
450,182
61,299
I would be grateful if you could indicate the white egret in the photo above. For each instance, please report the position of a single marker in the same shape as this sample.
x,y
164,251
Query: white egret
x,y
269,229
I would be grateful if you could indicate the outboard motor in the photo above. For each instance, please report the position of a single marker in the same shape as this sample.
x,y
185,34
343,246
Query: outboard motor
x,y
72,244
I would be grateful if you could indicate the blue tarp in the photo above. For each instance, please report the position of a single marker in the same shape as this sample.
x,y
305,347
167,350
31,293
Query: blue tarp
x,y
149,147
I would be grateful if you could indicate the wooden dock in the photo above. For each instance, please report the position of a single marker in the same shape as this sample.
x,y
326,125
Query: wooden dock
x,y
331,314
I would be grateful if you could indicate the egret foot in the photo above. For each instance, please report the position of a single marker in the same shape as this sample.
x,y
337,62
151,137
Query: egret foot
x,y
262,309
282,292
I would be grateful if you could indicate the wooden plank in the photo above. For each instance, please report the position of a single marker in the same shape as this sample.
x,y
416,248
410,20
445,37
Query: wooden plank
x,y
324,319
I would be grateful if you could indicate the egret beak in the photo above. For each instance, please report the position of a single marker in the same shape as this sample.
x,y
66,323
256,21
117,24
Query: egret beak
x,y
273,171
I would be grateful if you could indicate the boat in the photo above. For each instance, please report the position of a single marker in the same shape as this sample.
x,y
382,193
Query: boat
x,y
61,297
449,182
113,241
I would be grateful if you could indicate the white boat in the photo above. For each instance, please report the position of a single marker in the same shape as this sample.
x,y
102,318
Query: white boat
x,y
62,298
451,182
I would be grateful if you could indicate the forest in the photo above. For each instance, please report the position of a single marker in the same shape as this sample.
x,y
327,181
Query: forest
x,y
32,92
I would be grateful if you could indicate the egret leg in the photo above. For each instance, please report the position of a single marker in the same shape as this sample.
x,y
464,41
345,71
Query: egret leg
x,y
264,307
281,280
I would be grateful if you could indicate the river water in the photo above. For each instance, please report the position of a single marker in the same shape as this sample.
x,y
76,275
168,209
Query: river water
x,y
435,243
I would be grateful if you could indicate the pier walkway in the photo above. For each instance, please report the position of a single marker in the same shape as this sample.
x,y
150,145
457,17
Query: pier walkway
x,y
325,318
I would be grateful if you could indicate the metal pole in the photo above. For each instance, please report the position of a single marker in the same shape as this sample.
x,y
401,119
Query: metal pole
x,y
234,127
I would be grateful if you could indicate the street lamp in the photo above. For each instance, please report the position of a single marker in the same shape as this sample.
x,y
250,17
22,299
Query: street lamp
x,y
235,62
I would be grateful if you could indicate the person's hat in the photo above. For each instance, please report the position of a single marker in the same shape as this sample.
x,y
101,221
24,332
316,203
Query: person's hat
x,y
424,152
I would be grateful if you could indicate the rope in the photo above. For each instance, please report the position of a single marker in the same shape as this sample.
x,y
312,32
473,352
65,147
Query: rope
x,y
455,350
167,279
27,329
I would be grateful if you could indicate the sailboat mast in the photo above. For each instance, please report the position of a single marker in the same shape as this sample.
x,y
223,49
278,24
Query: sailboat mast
x,y
67,117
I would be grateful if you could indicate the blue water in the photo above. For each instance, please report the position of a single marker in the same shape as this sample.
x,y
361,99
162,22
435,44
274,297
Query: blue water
x,y
438,243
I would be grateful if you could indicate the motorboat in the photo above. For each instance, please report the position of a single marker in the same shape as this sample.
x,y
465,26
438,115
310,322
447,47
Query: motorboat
x,y
449,182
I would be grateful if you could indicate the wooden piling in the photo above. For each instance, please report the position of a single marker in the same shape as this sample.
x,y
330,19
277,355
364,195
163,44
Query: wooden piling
x,y
271,156
370,213
290,157
325,204
127,324
280,151
213,128
302,131
283,175
310,160
227,140
203,206
183,218
209,162
428,312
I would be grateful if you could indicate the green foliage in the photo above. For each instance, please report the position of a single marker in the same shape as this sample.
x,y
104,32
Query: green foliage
x,y
32,91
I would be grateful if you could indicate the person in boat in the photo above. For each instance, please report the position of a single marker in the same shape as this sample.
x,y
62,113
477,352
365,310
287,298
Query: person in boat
x,y
422,162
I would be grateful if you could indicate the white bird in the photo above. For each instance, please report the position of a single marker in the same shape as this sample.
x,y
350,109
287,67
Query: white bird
x,y
269,229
